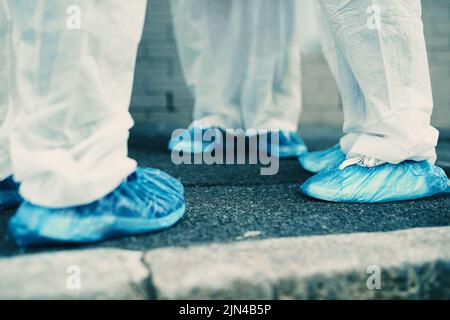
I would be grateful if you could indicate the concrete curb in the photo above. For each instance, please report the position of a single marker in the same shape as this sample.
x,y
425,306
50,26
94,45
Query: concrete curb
x,y
83,274
413,264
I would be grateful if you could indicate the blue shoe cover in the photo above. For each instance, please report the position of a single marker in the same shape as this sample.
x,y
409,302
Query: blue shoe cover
x,y
385,183
290,145
148,200
9,194
320,160
192,142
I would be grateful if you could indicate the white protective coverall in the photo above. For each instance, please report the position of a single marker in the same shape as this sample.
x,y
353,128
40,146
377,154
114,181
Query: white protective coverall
x,y
64,96
241,60
381,68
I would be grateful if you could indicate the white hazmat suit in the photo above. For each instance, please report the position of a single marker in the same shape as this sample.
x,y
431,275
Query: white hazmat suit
x,y
241,60
376,50
64,96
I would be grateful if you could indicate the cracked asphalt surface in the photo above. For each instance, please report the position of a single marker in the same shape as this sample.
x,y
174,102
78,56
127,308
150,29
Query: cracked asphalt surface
x,y
227,203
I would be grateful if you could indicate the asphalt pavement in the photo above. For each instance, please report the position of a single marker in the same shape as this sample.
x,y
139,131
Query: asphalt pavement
x,y
230,203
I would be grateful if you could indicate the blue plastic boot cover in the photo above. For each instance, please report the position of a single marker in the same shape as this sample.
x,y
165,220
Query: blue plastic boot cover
x,y
148,200
384,183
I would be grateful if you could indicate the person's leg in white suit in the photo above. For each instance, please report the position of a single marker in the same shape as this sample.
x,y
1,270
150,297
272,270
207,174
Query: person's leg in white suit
x,y
241,60
71,65
9,195
381,67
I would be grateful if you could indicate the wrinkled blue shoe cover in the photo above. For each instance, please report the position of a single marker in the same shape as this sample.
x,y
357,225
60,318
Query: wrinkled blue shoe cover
x,y
408,180
195,144
290,145
9,194
148,200
320,160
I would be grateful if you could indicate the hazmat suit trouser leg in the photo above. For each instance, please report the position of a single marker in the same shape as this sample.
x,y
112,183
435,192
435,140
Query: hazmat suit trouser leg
x,y
5,83
241,60
382,71
381,68
71,65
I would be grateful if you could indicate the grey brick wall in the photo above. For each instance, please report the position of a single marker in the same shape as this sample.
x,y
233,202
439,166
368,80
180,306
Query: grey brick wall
x,y
161,99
